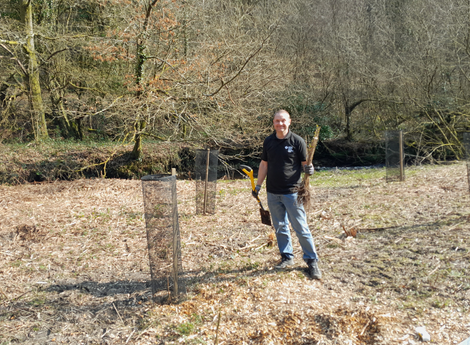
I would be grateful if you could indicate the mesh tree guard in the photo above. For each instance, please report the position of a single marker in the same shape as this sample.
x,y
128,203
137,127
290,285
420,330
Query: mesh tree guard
x,y
163,236
466,145
394,156
206,180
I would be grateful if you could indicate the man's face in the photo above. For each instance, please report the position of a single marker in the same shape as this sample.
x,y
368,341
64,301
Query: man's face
x,y
281,122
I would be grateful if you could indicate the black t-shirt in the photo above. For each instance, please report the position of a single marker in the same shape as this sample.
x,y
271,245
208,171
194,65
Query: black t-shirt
x,y
284,157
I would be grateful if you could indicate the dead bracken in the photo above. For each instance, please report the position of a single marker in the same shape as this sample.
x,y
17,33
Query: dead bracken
x,y
394,256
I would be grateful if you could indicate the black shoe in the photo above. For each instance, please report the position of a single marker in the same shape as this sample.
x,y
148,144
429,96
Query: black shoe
x,y
285,261
313,270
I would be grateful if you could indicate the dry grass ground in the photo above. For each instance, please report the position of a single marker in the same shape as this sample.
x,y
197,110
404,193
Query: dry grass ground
x,y
74,266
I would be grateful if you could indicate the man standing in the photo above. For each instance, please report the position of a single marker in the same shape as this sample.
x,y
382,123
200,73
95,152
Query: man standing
x,y
282,162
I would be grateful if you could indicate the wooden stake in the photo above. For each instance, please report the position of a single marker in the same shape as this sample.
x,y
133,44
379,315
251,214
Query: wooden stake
x,y
207,180
402,166
175,243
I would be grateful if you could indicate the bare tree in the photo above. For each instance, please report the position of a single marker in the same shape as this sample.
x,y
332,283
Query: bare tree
x,y
30,73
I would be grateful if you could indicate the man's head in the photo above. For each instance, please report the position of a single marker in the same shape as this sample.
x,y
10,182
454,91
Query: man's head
x,y
281,123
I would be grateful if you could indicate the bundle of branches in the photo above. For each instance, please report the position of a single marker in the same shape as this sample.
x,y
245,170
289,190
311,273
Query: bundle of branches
x,y
303,192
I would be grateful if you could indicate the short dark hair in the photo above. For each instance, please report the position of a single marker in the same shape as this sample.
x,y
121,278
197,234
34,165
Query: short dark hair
x,y
281,111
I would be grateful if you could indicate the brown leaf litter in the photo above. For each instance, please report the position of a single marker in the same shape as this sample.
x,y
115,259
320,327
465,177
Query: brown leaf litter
x,y
394,256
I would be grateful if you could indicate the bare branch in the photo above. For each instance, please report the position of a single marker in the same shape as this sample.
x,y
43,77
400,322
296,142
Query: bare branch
x,y
11,42
242,67
55,53
16,59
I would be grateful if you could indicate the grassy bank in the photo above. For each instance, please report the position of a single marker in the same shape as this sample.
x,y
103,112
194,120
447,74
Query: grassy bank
x,y
70,160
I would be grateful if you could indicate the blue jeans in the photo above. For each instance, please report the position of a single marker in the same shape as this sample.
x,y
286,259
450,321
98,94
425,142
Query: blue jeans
x,y
284,209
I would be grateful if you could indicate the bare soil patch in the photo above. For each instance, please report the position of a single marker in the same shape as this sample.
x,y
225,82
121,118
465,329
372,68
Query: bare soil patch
x,y
74,265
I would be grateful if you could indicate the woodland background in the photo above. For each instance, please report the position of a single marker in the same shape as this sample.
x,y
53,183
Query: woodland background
x,y
116,88
211,72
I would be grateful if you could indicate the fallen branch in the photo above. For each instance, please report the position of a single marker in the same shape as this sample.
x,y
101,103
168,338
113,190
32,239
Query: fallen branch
x,y
336,240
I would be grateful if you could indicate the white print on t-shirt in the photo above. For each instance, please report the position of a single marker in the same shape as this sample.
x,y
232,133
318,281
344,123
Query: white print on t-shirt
x,y
289,149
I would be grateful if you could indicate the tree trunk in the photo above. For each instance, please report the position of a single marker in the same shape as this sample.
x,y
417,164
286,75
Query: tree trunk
x,y
347,112
137,151
140,124
37,107
69,128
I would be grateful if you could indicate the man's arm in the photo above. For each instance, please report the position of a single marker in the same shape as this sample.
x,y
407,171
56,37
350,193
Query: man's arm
x,y
262,172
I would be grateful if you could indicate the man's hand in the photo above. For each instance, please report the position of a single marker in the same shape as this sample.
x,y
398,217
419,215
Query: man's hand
x,y
308,169
256,191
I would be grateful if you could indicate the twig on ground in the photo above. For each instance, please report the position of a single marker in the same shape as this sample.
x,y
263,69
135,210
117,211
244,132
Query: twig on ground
x,y
17,298
434,270
217,329
363,330
261,246
118,314
129,338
